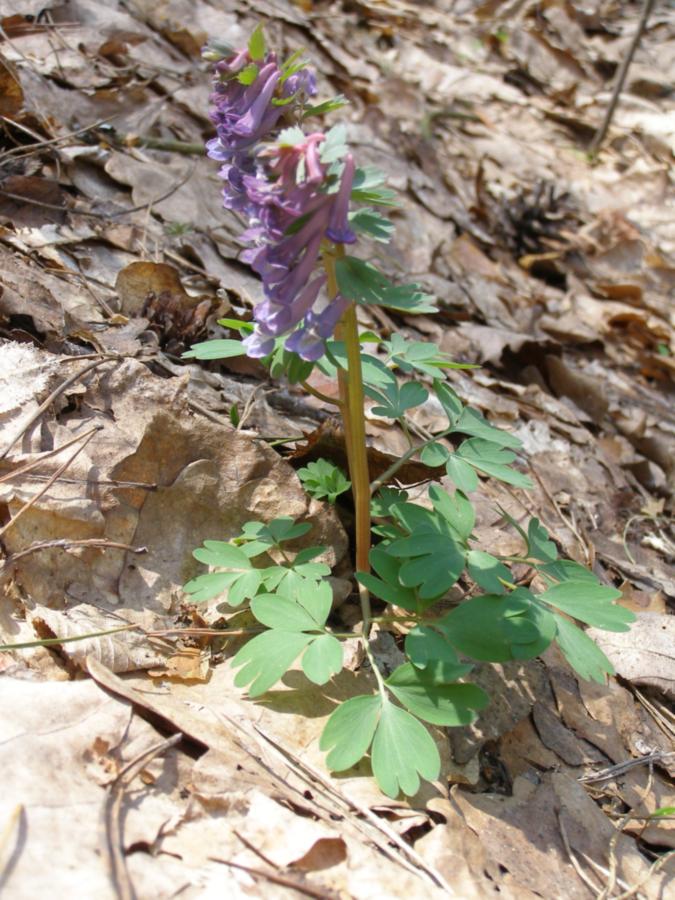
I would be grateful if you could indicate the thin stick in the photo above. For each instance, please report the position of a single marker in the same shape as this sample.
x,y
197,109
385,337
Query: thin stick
x,y
50,399
621,77
61,469
114,837
65,544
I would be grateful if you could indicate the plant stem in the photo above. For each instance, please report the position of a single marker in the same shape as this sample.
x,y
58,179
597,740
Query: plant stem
x,y
350,383
394,467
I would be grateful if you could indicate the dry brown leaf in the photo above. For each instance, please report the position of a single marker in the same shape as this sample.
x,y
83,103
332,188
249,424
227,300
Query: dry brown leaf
x,y
645,655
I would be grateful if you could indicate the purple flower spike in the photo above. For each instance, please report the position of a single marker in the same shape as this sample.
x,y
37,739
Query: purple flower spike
x,y
338,228
288,196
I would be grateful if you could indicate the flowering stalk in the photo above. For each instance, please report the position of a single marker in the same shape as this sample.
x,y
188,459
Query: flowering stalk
x,y
350,383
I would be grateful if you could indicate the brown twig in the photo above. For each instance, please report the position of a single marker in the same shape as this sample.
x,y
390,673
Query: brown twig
x,y
620,79
276,879
61,469
114,835
65,543
50,399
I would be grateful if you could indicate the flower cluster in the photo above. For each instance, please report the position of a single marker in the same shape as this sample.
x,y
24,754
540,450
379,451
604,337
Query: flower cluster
x,y
294,190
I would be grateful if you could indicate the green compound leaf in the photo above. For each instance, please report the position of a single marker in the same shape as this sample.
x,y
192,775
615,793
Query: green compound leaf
x,y
367,221
266,658
434,455
375,373
402,751
363,283
473,423
220,349
538,544
590,603
462,474
497,628
395,399
323,479
490,459
256,44
456,509
322,659
367,187
486,571
428,695
206,587
434,563
349,731
422,356
582,653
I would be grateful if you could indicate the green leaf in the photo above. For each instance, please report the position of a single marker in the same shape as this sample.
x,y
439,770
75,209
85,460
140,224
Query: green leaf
x,y
335,145
307,554
220,349
245,587
248,74
538,544
452,405
237,325
428,695
434,455
223,554
567,570
285,529
395,399
266,658
485,627
317,599
256,44
472,422
384,499
282,613
349,731
492,460
367,221
374,371
205,587
423,356
367,187
590,603
662,811
402,751
323,479
327,106
582,653
462,474
362,282
434,563
486,571
322,659
423,644
456,509
387,587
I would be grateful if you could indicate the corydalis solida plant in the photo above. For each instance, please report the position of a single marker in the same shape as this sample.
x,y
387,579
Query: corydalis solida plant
x,y
299,190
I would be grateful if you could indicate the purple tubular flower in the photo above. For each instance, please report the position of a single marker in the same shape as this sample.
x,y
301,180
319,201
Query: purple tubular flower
x,y
258,345
338,228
